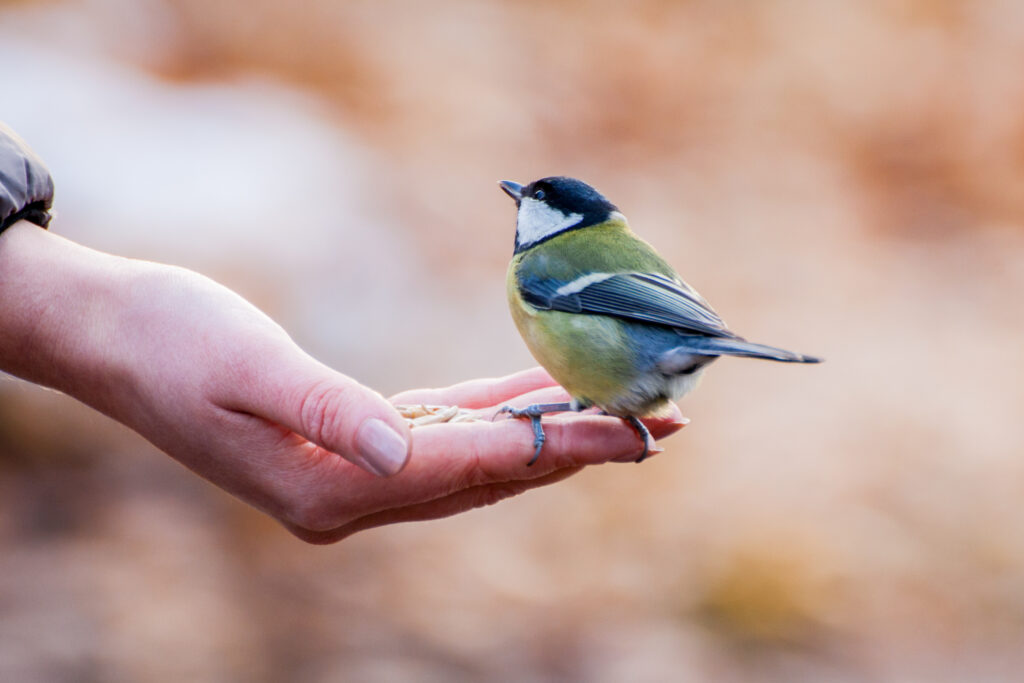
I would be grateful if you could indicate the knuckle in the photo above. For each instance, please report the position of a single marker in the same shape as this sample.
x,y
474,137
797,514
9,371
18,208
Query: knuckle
x,y
322,408
560,450
471,473
471,469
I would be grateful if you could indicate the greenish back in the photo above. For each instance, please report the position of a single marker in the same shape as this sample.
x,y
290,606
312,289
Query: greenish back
x,y
609,247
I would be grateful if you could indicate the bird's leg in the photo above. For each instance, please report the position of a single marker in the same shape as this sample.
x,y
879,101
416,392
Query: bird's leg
x,y
641,429
534,412
644,433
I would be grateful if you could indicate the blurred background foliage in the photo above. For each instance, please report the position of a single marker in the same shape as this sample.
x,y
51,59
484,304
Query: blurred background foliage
x,y
841,178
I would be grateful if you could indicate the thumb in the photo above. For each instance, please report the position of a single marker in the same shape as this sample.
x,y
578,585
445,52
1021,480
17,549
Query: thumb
x,y
334,412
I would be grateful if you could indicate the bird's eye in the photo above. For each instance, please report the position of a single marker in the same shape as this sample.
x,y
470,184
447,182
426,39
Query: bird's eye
x,y
538,194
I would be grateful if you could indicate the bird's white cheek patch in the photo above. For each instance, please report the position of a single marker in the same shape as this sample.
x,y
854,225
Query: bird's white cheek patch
x,y
538,221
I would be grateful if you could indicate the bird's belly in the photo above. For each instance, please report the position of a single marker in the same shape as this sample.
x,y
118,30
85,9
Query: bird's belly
x,y
585,354
681,385
593,358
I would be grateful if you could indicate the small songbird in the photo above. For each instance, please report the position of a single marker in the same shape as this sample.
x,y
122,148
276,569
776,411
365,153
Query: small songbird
x,y
604,314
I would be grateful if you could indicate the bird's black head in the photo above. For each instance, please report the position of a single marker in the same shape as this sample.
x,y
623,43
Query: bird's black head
x,y
550,206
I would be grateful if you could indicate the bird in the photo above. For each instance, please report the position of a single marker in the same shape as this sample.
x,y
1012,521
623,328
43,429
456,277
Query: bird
x,y
607,317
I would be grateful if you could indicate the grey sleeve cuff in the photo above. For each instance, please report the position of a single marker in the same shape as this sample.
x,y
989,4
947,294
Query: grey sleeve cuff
x,y
26,188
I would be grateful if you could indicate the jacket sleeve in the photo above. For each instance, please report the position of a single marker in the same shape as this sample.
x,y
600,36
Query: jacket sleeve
x,y
26,188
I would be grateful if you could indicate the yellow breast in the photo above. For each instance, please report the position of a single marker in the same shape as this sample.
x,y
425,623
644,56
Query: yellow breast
x,y
589,355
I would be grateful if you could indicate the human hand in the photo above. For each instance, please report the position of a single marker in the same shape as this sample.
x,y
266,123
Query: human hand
x,y
251,444
216,384
459,466
221,388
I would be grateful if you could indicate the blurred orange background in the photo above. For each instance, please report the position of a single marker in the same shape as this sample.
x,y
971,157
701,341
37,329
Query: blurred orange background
x,y
842,179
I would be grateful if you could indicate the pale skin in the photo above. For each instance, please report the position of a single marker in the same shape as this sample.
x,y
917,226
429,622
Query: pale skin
x,y
217,385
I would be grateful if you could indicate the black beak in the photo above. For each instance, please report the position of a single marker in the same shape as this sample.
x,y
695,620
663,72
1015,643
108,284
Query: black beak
x,y
513,190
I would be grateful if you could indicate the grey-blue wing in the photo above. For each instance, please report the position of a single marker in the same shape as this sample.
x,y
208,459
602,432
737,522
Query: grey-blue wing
x,y
639,297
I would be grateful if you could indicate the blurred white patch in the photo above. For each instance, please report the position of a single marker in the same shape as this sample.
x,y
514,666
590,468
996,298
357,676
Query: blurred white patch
x,y
168,170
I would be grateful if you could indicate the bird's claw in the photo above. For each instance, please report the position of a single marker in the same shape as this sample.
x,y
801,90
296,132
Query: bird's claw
x,y
644,433
533,412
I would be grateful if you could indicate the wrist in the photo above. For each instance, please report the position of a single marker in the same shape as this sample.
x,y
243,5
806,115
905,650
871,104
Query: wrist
x,y
57,300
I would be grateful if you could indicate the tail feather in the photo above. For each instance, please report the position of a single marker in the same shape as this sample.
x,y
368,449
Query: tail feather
x,y
725,346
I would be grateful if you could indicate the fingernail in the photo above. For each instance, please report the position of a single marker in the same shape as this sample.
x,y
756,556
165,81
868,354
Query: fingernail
x,y
383,451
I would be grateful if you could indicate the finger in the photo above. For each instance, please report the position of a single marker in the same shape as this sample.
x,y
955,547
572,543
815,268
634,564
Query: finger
x,y
475,453
327,408
454,456
448,458
556,394
479,393
460,501
659,428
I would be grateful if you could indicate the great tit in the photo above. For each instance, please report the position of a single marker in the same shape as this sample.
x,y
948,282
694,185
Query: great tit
x,y
604,314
